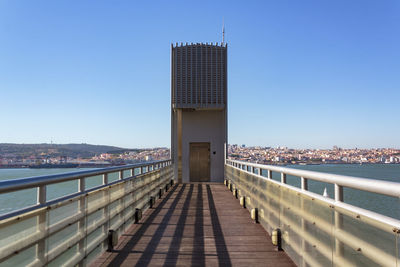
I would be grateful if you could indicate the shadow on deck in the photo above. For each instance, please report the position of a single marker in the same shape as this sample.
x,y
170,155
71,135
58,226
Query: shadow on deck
x,y
195,225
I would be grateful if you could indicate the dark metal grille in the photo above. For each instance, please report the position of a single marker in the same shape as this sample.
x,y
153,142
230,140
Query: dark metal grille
x,y
199,76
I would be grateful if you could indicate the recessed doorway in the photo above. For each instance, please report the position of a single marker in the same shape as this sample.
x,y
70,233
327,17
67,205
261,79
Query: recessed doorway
x,y
199,162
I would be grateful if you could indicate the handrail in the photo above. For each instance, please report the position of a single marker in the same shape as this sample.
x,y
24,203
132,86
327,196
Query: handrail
x,y
312,222
88,214
40,182
364,184
37,181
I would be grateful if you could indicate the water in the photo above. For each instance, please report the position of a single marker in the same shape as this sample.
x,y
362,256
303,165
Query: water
x,y
23,198
381,204
385,205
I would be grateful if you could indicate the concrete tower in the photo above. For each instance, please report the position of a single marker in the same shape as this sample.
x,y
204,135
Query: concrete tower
x,y
199,111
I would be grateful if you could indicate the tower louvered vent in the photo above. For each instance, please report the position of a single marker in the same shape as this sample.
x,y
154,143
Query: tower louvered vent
x,y
199,76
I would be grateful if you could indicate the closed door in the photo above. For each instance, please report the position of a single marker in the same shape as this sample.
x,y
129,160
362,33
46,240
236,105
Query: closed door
x,y
199,162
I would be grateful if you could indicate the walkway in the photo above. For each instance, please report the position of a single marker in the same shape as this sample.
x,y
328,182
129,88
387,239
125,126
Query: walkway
x,y
195,225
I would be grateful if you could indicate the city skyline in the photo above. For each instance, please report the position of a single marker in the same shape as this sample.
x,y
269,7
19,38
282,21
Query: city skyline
x,y
301,75
84,155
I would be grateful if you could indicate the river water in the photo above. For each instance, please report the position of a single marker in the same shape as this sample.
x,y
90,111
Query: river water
x,y
24,198
385,205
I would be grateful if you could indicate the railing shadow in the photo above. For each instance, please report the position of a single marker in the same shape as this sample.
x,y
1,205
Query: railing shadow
x,y
198,257
222,250
173,250
126,250
198,246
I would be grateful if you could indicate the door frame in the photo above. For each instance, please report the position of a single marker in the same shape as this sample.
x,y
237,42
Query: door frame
x,y
209,160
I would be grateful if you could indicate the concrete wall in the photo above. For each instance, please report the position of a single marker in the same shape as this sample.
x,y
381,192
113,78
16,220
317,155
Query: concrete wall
x,y
174,142
204,126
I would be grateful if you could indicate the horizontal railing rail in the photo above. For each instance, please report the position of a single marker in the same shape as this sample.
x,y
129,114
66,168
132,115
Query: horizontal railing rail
x,y
364,184
74,229
36,181
318,230
40,182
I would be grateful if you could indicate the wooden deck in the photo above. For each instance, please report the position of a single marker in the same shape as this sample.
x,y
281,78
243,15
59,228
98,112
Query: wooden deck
x,y
195,225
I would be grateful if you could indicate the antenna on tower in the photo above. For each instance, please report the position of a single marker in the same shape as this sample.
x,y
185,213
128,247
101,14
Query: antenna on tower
x,y
223,30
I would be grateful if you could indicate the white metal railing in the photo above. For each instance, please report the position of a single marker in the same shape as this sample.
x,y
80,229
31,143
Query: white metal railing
x,y
317,230
73,229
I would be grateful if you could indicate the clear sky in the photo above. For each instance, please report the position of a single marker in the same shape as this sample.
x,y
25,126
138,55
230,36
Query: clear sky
x,y
302,74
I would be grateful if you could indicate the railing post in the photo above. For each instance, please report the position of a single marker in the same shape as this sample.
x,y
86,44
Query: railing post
x,y
283,178
269,174
122,202
105,178
121,215
41,225
304,184
338,220
41,195
338,193
106,213
81,222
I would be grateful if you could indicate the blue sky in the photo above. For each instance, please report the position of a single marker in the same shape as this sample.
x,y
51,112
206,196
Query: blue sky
x,y
302,74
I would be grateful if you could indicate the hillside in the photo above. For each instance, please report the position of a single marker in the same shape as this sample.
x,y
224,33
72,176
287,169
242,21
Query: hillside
x,y
57,150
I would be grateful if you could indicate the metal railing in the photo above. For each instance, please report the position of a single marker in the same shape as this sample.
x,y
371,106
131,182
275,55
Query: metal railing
x,y
318,230
73,229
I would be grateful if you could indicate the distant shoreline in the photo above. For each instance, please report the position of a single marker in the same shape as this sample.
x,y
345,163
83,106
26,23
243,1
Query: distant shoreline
x,y
324,163
58,167
91,165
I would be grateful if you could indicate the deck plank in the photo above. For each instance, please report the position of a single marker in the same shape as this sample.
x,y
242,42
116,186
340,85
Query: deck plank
x,y
195,224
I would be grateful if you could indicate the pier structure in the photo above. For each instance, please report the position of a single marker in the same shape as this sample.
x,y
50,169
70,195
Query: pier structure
x,y
139,214
199,207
